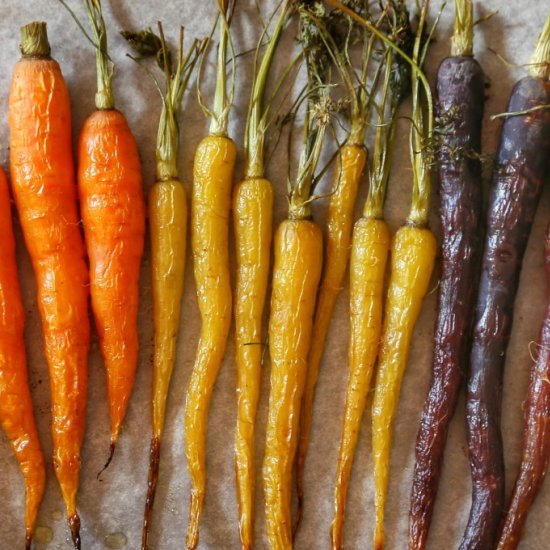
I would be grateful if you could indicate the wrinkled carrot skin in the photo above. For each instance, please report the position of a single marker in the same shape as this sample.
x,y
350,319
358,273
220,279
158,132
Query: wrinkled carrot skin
x,y
43,181
298,252
369,253
412,261
522,164
210,212
252,215
460,87
16,409
339,224
536,438
168,227
113,215
168,232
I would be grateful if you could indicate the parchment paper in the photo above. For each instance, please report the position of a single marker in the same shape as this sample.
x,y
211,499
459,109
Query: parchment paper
x,y
114,504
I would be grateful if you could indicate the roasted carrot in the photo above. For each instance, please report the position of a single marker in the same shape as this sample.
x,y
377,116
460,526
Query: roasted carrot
x,y
42,175
369,253
522,164
168,226
210,210
412,260
298,253
252,215
113,215
536,439
350,164
460,113
16,410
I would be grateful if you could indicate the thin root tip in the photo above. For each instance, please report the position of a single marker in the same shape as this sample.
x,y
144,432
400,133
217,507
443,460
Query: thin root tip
x,y
112,447
74,525
154,462
28,539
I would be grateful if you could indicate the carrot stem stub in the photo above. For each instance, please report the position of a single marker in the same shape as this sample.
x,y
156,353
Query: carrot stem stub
x,y
460,90
45,195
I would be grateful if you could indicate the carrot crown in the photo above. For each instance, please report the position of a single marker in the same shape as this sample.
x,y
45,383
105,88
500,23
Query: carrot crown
x,y
147,44
540,62
256,122
462,41
223,101
34,40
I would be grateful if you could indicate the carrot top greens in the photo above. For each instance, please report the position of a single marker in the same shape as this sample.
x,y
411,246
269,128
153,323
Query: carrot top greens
x,y
147,44
257,118
421,136
540,61
34,40
395,88
462,41
219,113
319,106
104,98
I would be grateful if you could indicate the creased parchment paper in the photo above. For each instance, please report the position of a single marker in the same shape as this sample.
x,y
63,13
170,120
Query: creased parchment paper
x,y
113,505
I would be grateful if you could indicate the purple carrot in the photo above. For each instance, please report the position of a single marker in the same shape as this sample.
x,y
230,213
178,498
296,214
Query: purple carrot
x,y
461,94
522,164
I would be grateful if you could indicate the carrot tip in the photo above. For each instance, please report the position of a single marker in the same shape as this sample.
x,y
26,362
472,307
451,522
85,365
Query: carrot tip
x,y
154,461
74,524
28,539
111,454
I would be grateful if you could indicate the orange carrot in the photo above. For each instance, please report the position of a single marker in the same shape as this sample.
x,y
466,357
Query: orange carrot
x,y
42,174
16,414
113,214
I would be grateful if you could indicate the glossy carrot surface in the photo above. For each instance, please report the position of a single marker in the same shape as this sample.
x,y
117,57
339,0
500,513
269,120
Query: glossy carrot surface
x,y
298,259
113,216
16,408
43,180
210,211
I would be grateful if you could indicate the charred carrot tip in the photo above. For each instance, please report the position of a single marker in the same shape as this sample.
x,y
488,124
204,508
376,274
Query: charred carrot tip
x,y
74,524
112,447
154,461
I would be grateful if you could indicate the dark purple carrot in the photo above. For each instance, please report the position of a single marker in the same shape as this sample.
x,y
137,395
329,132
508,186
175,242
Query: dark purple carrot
x,y
522,164
460,91
536,439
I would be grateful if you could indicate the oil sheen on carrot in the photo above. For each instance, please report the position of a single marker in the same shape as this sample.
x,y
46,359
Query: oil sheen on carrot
x,y
16,409
43,180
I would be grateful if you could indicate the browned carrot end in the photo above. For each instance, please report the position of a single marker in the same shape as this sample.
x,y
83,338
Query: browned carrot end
x,y
34,40
152,479
195,510
112,447
28,539
74,525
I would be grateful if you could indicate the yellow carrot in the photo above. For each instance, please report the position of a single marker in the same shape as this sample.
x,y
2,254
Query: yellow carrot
x,y
252,215
298,252
369,253
210,210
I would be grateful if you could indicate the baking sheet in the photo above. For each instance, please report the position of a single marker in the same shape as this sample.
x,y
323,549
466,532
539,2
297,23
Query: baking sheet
x,y
113,505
